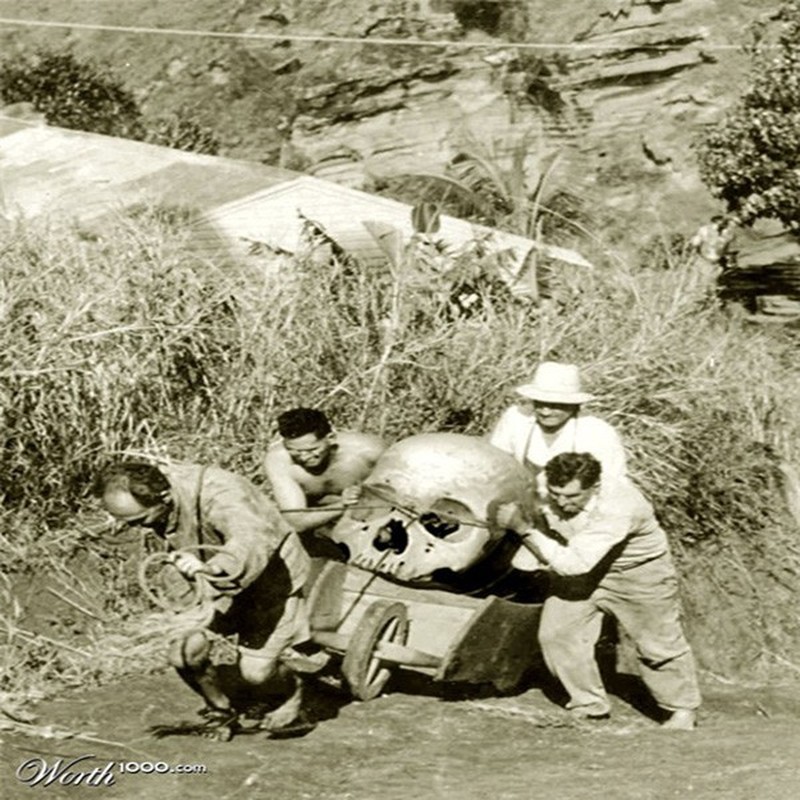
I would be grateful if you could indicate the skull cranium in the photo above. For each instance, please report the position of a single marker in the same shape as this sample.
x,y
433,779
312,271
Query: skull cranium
x,y
428,506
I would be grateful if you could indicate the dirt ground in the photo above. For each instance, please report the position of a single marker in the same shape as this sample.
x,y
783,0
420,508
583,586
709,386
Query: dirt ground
x,y
416,742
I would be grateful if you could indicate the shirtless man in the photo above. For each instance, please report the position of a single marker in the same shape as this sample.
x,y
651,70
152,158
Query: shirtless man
x,y
312,466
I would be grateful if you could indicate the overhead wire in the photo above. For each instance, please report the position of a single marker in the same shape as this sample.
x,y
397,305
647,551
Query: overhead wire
x,y
336,39
263,39
331,39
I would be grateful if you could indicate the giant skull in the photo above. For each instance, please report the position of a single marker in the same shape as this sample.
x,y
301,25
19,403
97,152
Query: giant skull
x,y
428,506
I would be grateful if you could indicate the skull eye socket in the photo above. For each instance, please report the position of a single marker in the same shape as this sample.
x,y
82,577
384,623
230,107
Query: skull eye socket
x,y
436,526
447,518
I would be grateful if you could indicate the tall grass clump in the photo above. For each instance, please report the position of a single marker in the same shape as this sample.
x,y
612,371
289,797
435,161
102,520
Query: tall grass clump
x,y
106,343
129,341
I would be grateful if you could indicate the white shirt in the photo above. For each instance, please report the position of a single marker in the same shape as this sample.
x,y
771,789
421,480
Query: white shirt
x,y
618,519
519,434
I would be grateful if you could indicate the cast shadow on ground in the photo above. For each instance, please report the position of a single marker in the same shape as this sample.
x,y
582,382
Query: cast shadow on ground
x,y
323,698
626,686
327,693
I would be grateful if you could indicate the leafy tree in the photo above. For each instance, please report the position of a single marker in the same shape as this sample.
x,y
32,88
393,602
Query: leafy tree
x,y
71,93
751,160
82,95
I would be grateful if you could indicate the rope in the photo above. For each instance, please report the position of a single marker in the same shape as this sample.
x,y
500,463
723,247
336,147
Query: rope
x,y
199,609
199,587
415,514
314,509
405,509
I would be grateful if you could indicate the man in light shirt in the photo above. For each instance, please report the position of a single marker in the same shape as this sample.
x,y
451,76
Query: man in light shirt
x,y
548,420
607,554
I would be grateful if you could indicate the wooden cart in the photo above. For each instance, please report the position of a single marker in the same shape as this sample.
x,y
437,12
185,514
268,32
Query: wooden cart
x,y
379,626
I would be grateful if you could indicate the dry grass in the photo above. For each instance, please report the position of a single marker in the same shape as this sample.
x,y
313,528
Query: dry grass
x,y
129,342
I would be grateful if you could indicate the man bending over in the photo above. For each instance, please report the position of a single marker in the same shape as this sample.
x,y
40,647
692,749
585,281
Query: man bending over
x,y
607,554
253,550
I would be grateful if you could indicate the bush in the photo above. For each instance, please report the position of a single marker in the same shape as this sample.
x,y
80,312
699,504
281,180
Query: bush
x,y
84,96
71,93
183,132
751,160
484,15
134,342
518,192
507,18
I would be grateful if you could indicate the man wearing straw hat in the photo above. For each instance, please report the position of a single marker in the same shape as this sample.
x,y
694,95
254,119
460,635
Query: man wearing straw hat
x,y
225,535
548,420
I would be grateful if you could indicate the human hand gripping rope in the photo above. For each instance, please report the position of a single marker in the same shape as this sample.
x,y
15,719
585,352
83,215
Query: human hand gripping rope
x,y
189,589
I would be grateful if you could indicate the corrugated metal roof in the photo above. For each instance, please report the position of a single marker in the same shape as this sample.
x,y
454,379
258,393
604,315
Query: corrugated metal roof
x,y
54,171
48,171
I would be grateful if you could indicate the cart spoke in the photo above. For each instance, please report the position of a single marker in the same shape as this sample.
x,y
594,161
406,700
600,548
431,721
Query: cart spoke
x,y
366,672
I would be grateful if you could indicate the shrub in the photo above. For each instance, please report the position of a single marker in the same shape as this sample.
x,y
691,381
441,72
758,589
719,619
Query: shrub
x,y
71,93
517,191
133,341
507,18
183,132
481,14
130,343
82,95
751,159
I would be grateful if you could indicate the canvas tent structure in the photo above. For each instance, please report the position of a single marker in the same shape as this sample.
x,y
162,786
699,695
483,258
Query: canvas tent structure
x,y
238,207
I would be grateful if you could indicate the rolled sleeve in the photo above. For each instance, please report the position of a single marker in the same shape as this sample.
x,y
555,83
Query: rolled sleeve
x,y
580,555
603,529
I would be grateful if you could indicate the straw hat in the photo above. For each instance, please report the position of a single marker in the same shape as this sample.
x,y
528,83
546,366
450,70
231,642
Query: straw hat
x,y
555,383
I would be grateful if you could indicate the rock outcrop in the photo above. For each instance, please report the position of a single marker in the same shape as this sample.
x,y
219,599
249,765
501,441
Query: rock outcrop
x,y
622,99
619,87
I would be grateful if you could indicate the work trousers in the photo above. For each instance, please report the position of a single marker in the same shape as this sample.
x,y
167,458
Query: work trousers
x,y
644,601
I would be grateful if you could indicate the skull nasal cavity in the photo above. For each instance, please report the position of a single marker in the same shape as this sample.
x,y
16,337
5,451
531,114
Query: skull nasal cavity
x,y
393,536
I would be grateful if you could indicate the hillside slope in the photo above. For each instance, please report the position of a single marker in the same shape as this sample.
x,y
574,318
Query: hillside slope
x,y
621,93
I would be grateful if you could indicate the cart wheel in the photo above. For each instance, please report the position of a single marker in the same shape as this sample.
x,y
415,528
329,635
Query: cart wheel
x,y
366,674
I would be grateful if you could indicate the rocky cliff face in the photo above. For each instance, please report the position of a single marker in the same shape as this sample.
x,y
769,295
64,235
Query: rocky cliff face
x,y
619,87
622,103
622,99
